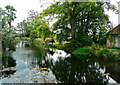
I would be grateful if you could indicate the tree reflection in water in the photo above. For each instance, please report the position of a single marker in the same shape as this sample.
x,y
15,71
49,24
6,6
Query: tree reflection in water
x,y
114,70
74,70
7,61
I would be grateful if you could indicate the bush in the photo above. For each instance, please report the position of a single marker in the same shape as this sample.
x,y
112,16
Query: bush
x,y
118,48
105,53
79,42
82,51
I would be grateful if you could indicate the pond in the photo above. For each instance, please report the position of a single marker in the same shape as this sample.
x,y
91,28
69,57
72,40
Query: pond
x,y
29,64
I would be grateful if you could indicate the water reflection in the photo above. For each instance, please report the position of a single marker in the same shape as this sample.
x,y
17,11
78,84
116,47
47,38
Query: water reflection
x,y
64,67
7,62
114,70
72,70
69,69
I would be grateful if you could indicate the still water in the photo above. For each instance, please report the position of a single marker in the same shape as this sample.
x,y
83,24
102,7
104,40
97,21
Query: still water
x,y
29,64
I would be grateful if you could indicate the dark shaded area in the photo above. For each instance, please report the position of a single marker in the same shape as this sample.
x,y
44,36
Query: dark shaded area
x,y
74,70
8,61
114,70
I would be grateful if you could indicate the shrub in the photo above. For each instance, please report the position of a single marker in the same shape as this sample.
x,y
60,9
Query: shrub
x,y
118,48
105,53
82,51
79,42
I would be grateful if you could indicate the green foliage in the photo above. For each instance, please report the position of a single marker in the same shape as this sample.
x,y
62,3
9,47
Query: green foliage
x,y
105,53
10,10
79,42
57,45
112,38
28,30
60,38
93,48
114,48
9,42
38,41
8,33
43,30
17,39
34,23
82,51
37,24
80,19
33,35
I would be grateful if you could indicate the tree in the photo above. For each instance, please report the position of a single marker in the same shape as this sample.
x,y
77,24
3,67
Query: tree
x,y
43,30
79,19
6,18
22,27
33,35
30,24
10,10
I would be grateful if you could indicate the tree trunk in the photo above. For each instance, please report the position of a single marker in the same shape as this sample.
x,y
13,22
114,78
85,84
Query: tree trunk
x,y
72,21
73,26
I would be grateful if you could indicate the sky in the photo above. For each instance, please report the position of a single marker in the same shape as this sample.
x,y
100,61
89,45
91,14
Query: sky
x,y
24,6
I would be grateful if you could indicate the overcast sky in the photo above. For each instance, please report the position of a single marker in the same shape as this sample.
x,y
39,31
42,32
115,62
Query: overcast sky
x,y
24,6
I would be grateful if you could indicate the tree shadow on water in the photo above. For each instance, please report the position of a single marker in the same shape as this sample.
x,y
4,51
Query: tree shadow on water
x,y
7,63
72,70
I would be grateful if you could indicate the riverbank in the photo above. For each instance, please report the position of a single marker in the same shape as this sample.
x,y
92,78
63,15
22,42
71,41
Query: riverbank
x,y
103,52
92,51
27,65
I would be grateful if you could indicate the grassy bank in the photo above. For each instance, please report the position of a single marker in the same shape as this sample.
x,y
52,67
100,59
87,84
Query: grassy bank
x,y
96,51
91,51
104,53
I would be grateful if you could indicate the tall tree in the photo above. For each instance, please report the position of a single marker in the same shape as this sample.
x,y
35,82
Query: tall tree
x,y
79,19
10,10
6,18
